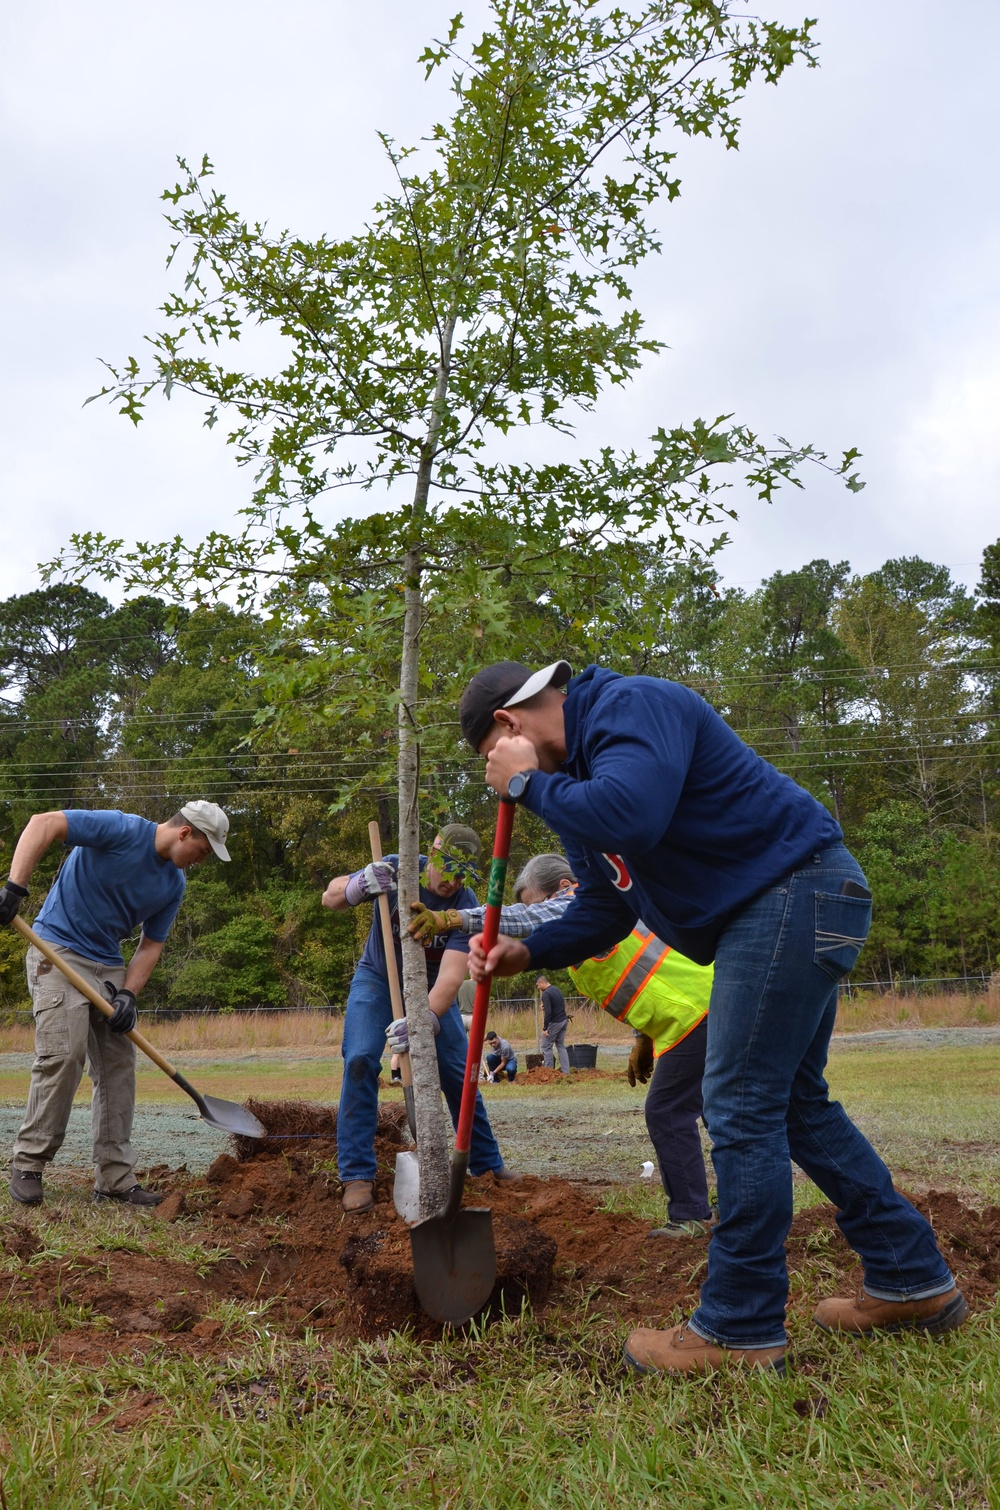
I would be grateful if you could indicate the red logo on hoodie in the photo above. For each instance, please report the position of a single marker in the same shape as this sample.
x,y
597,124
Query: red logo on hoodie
x,y
619,872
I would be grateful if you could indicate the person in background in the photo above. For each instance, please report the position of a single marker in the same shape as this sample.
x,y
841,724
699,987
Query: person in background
x,y
466,1002
368,1020
122,872
554,1025
500,1059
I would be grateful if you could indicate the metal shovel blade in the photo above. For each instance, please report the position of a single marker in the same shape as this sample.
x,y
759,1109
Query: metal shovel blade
x,y
225,1115
454,1264
231,1118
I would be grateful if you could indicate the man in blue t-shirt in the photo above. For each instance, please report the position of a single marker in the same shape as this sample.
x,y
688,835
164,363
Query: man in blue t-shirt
x,y
122,872
454,856
666,815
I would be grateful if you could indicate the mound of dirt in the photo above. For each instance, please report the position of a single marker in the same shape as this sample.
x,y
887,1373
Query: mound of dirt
x,y
290,1250
539,1075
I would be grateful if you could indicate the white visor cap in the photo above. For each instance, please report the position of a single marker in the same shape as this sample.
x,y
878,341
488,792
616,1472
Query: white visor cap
x,y
558,673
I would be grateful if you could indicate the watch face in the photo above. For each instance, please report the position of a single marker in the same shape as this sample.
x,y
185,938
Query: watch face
x,y
517,784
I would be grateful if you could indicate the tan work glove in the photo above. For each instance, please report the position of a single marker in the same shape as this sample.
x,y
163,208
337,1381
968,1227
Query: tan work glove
x,y
427,924
640,1061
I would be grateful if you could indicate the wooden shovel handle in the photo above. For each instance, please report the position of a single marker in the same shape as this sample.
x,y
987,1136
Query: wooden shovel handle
x,y
389,946
93,996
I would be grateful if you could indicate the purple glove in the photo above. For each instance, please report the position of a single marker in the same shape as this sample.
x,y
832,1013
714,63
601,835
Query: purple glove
x,y
377,879
397,1034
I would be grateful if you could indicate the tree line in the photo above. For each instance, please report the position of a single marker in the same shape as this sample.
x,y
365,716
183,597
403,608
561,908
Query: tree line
x,y
879,692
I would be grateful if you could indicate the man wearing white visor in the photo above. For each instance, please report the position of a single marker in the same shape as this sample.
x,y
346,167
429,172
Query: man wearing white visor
x,y
122,872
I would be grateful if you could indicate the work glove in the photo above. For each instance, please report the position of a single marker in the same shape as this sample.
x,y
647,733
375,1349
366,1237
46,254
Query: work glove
x,y
126,1014
426,925
397,1034
640,1061
11,897
377,879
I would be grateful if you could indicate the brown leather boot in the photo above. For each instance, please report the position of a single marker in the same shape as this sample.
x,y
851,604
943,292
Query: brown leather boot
x,y
358,1195
682,1351
863,1314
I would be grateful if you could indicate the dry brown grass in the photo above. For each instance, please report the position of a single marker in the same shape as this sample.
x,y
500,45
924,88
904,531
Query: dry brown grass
x,y
229,1034
867,1011
258,1032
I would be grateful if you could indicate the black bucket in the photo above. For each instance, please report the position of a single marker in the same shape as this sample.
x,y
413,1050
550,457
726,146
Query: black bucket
x,y
582,1056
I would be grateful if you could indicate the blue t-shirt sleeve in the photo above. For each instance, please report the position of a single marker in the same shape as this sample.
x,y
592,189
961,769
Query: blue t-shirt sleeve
x,y
101,830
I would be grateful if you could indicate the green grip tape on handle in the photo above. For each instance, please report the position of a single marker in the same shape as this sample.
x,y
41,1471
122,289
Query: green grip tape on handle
x,y
498,880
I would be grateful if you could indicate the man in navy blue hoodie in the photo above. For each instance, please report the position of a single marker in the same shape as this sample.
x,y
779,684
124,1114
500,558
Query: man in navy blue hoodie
x,y
665,814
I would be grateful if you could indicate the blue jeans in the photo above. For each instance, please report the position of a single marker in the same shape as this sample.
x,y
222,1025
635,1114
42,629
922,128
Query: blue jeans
x,y
774,1001
368,1014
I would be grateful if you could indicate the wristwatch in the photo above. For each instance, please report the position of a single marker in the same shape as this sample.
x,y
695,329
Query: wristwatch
x,y
518,785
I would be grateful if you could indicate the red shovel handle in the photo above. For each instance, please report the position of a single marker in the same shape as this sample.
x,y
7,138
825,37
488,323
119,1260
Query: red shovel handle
x,y
481,1005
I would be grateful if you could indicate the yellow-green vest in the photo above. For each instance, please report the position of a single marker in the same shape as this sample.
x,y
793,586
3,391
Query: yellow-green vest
x,y
648,985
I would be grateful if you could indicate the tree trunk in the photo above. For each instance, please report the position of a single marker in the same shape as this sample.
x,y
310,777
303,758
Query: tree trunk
x,y
432,1150
432,1145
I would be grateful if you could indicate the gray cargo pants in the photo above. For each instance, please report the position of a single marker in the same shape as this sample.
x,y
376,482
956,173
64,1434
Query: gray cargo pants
x,y
554,1039
70,1033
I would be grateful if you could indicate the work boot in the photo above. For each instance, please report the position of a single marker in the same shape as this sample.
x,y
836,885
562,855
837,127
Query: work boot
x,y
681,1229
503,1173
682,1351
26,1186
134,1197
863,1314
358,1195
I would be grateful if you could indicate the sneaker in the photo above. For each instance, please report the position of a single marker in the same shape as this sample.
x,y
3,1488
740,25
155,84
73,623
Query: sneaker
x,y
682,1351
863,1314
681,1229
134,1197
26,1187
358,1195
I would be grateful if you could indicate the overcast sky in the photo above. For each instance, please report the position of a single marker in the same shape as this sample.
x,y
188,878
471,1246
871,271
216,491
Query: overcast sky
x,y
836,280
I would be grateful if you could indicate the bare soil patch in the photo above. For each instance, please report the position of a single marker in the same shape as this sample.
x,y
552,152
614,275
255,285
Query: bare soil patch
x,y
293,1259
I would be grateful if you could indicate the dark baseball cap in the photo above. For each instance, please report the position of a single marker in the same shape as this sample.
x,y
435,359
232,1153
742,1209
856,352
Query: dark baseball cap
x,y
504,686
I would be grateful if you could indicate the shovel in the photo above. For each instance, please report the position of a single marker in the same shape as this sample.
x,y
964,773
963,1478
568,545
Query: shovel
x,y
454,1255
392,971
225,1115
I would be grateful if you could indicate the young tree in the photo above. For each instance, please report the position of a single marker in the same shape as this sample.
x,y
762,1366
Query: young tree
x,y
490,291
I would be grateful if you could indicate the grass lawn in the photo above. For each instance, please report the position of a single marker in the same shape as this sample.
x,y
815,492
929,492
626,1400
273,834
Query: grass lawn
x,y
527,1412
